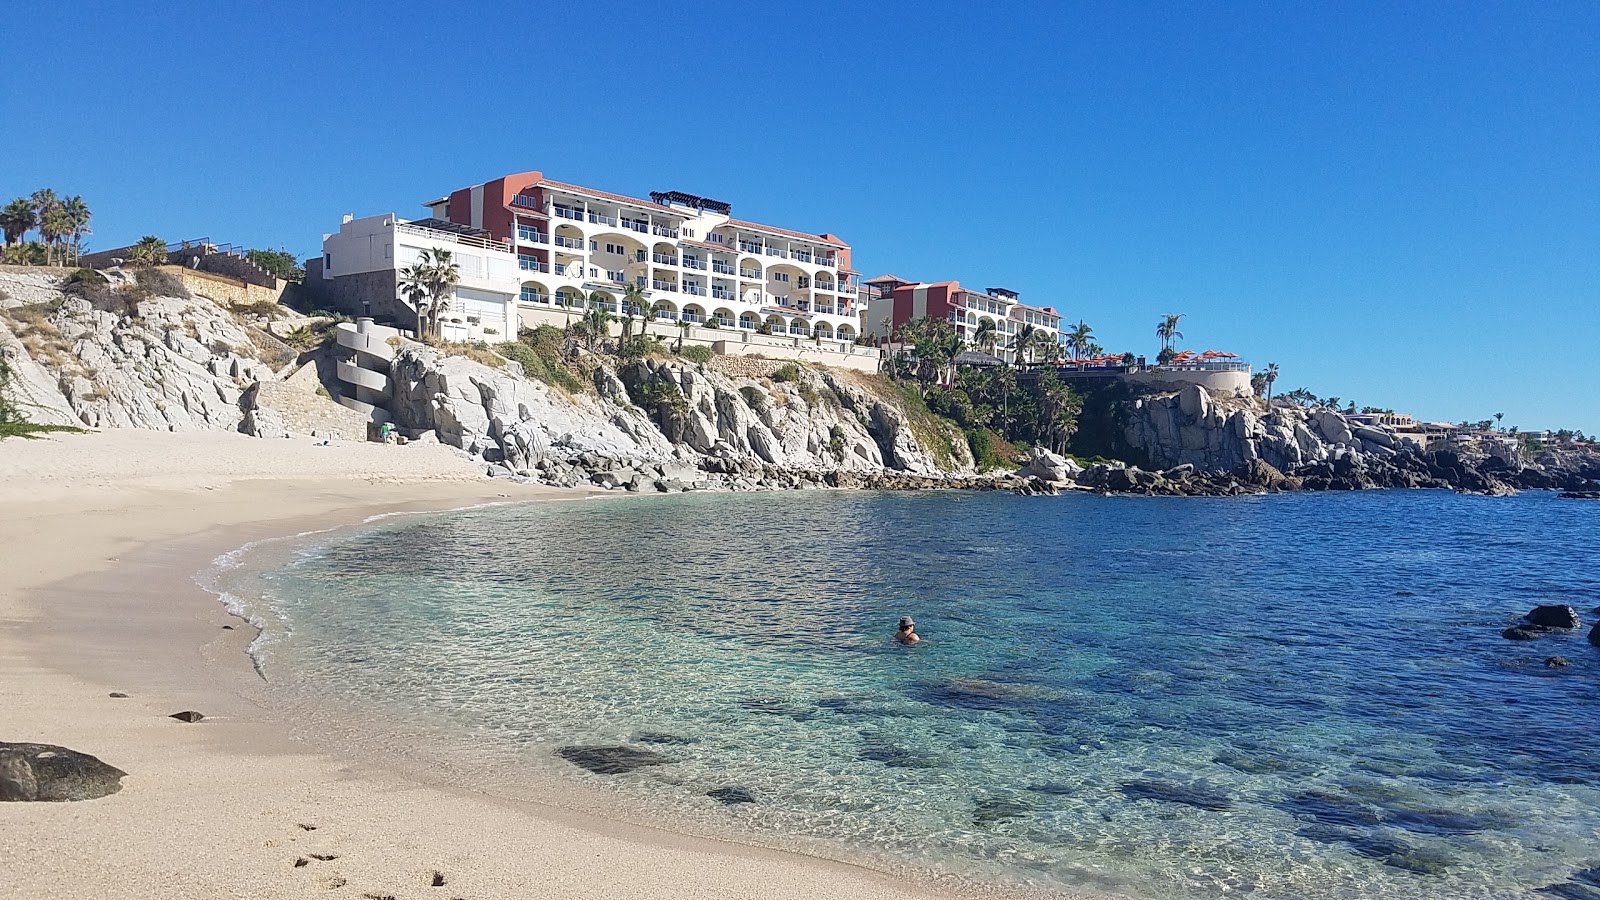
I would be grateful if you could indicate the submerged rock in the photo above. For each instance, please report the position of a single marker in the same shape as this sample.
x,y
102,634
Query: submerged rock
x,y
1524,632
662,737
615,760
729,796
989,810
1594,635
1198,795
1556,662
45,772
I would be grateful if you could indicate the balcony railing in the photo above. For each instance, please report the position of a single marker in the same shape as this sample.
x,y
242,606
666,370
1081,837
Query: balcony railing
x,y
721,293
666,315
569,242
530,295
825,310
638,225
721,268
694,262
599,219
532,235
827,261
693,317
569,212
748,247
663,231
802,257
694,289
724,322
616,277
824,286
577,269
664,285
753,276
450,237
527,264
526,202
664,259
774,251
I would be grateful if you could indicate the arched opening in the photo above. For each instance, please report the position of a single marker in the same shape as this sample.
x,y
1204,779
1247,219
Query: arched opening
x,y
724,317
747,321
776,325
823,331
666,311
799,326
534,292
694,312
603,300
846,333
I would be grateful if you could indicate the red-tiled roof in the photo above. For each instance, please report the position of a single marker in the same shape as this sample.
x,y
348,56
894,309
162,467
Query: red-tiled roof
x,y
885,278
814,238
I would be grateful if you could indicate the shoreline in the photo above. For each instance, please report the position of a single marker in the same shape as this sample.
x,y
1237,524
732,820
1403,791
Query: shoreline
x,y
106,600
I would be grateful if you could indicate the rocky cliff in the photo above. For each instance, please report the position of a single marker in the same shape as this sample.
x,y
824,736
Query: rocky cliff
x,y
113,357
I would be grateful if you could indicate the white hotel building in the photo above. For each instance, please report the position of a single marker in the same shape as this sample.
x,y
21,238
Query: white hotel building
x,y
537,251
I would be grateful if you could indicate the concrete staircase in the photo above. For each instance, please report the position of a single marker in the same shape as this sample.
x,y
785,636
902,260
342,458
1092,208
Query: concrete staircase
x,y
365,368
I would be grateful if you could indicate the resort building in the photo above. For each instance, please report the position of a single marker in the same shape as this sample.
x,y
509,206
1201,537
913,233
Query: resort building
x,y
359,274
893,301
575,246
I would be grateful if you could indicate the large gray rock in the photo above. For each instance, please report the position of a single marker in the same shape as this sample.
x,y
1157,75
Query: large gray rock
x,y
1047,466
45,772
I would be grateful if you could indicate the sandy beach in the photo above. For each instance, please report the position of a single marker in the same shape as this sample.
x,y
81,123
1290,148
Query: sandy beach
x,y
103,534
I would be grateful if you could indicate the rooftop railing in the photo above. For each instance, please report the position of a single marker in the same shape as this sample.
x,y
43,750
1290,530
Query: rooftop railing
x,y
450,237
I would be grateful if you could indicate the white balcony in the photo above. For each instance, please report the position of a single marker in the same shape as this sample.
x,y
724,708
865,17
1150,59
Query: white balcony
x,y
664,259
600,219
569,242
528,235
748,247
694,289
664,285
693,262
828,261
568,212
664,231
636,225
529,295
531,265
750,276
721,268
721,293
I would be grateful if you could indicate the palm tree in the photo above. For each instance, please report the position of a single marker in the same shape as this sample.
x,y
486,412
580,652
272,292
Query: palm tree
x,y
1078,339
150,251
414,285
985,337
683,332
1005,381
1498,416
1271,376
17,219
1022,343
633,304
596,319
77,219
443,275
1168,331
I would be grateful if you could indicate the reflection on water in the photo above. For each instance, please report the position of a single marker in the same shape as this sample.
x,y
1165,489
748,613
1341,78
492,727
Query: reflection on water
x,y
1299,696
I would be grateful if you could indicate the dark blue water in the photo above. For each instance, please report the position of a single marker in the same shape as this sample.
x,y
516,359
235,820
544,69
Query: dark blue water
x,y
1294,696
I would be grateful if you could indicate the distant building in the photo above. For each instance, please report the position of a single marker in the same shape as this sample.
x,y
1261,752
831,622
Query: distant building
x,y
892,302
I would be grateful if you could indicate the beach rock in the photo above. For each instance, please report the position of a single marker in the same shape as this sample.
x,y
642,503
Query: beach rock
x,y
187,715
728,796
611,760
118,695
1198,795
1047,466
1553,617
1524,632
1556,662
45,772
1594,636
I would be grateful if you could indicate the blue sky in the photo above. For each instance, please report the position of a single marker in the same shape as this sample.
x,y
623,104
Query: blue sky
x,y
1398,206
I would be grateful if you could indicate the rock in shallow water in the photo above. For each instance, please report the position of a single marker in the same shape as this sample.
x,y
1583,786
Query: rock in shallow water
x,y
1553,617
729,796
49,773
1197,795
611,760
1524,632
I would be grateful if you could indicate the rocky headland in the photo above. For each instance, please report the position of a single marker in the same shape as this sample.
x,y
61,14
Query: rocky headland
x,y
180,360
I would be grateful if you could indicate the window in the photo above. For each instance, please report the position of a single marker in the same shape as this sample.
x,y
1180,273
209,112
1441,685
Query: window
x,y
327,262
618,249
388,251
780,276
688,232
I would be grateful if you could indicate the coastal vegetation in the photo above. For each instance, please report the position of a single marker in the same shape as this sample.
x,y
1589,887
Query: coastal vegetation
x,y
14,421
61,223
428,285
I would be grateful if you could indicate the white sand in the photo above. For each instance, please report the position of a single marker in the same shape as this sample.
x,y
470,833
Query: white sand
x,y
100,536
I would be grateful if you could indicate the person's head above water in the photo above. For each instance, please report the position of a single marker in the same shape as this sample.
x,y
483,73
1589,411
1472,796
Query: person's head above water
x,y
905,622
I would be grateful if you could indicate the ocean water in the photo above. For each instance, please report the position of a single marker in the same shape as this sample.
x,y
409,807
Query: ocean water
x,y
1288,696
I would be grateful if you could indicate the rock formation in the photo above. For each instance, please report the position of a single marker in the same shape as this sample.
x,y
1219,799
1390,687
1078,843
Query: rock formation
x,y
46,772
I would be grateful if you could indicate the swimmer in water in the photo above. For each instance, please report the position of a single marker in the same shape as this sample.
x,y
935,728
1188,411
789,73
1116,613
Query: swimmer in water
x,y
907,633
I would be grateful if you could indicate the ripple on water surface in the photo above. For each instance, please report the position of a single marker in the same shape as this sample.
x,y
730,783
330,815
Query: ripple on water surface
x,y
1300,696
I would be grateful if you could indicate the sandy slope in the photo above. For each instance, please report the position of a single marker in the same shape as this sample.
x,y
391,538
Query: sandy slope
x,y
101,535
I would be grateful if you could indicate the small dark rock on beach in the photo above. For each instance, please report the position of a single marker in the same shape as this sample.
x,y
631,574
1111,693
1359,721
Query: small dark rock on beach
x,y
187,715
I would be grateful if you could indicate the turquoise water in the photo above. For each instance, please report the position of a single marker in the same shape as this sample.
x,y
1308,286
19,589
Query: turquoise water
x,y
1291,696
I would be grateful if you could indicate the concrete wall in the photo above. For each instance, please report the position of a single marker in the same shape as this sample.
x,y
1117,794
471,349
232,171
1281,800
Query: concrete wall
x,y
223,289
1227,382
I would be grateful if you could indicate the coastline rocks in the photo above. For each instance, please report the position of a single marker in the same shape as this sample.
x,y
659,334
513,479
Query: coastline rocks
x,y
1047,466
1524,632
1594,636
611,760
1556,662
1554,616
730,796
45,772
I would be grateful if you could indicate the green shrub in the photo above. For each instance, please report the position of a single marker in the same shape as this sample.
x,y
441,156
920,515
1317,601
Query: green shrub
x,y
538,351
85,276
699,354
787,372
836,442
161,283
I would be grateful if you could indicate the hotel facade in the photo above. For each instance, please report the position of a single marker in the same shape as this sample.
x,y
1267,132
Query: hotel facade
x,y
892,302
576,245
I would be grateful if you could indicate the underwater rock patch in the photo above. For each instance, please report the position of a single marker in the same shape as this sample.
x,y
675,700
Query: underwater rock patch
x,y
728,796
1198,795
615,760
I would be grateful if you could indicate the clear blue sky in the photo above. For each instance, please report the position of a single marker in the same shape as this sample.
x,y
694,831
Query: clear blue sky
x,y
1398,206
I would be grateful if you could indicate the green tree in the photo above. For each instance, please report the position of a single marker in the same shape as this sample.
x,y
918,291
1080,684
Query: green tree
x,y
1269,376
633,304
77,216
1168,331
986,336
150,251
414,288
279,264
17,219
1079,339
596,320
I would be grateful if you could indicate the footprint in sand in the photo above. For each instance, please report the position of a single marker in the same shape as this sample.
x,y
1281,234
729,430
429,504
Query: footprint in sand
x,y
331,882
